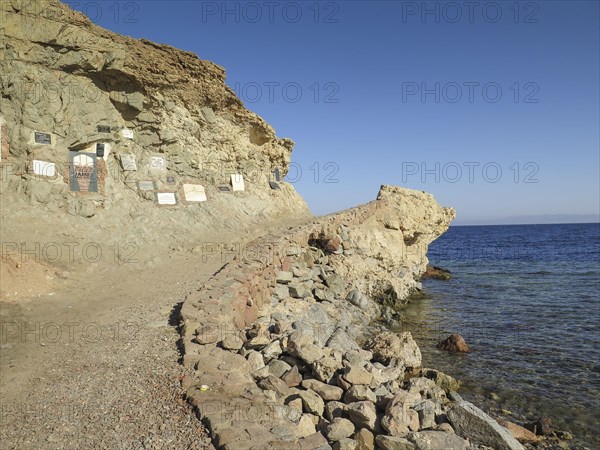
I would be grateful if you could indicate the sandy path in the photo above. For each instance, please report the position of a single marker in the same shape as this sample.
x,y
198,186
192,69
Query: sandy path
x,y
99,365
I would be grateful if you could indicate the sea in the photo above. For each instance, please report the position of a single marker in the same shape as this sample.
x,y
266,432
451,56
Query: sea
x,y
526,298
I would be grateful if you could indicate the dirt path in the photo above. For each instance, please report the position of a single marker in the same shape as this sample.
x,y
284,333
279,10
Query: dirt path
x,y
96,364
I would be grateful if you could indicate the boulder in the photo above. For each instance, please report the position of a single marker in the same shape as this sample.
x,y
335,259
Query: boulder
x,y
272,383
305,427
444,381
325,368
292,377
470,421
255,361
311,402
334,409
325,391
338,429
359,393
272,350
393,443
301,346
365,439
520,433
399,416
436,440
277,368
357,375
454,343
345,444
362,414
436,273
340,340
357,299
284,277
426,411
232,342
299,290
387,346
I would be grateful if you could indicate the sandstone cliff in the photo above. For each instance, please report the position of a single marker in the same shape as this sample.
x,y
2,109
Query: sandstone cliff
x,y
70,86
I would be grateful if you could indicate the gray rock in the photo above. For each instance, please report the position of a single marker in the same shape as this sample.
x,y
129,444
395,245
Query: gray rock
x,y
359,393
273,350
357,299
394,443
325,368
338,429
345,444
255,361
434,440
284,277
281,292
325,391
311,402
362,414
298,290
426,412
470,421
302,346
340,340
399,418
444,381
334,409
277,368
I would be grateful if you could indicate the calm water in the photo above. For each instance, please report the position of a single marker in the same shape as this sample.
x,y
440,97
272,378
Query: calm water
x,y
527,300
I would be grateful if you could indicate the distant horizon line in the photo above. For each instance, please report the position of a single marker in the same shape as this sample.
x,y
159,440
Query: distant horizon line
x,y
520,224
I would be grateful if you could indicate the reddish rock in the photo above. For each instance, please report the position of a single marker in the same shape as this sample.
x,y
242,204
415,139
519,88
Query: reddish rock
x,y
437,273
332,245
454,343
521,434
542,427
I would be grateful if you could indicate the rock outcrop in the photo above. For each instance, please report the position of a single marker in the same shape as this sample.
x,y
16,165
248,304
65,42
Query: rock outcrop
x,y
143,118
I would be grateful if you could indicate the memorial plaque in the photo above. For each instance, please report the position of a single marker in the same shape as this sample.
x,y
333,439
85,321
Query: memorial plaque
x,y
166,198
126,133
128,162
43,138
103,129
171,180
274,185
237,182
277,175
83,172
146,185
44,168
157,163
194,193
100,150
224,188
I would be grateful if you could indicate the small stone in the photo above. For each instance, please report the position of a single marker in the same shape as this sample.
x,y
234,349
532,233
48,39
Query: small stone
x,y
454,343
338,429
325,368
426,412
302,346
334,409
272,383
292,377
255,361
358,375
362,414
296,404
272,350
305,427
311,402
232,342
345,444
299,291
325,391
359,393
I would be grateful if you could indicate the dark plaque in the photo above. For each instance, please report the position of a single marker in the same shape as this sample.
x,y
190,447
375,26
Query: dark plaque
x,y
100,150
277,175
224,188
274,185
170,180
103,129
43,138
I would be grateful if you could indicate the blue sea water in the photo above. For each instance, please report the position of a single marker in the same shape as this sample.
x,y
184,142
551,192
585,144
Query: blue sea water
x,y
527,300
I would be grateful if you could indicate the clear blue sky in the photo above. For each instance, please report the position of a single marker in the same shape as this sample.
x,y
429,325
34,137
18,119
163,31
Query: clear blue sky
x,y
362,68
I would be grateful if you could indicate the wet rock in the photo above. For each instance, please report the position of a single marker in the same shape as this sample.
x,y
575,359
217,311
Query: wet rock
x,y
292,377
436,440
444,381
334,409
436,273
470,421
325,391
338,429
388,346
362,414
359,393
232,342
393,443
520,433
365,439
454,343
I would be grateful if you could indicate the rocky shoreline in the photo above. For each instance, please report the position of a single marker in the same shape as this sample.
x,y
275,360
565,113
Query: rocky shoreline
x,y
293,351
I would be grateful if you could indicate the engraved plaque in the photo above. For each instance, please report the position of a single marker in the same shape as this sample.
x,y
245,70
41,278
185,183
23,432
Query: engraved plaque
x,y
43,138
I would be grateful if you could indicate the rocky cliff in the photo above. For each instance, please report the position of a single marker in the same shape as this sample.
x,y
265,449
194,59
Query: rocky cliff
x,y
99,125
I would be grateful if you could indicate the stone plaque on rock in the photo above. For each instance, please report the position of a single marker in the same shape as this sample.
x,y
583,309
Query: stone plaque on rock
x,y
224,188
128,162
166,198
277,174
237,182
194,193
157,163
83,172
127,133
146,185
42,138
44,168
100,150
103,129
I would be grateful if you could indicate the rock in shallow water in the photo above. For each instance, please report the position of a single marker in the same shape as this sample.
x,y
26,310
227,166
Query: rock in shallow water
x,y
454,343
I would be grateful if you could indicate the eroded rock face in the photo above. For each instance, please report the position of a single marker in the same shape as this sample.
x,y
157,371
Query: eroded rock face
x,y
65,76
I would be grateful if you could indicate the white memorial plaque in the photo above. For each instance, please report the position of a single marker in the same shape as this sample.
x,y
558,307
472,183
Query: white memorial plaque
x,y
194,193
237,182
166,198
128,162
127,133
44,168
157,163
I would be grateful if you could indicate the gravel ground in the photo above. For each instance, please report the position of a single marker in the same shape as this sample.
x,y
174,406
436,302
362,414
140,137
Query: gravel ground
x,y
99,365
